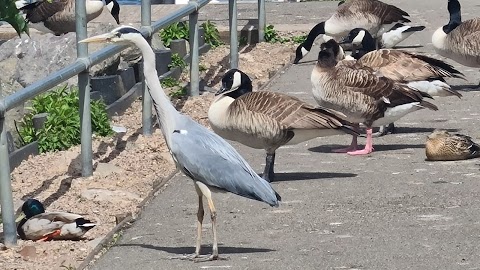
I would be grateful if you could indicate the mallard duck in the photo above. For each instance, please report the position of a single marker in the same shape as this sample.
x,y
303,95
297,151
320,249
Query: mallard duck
x,y
442,145
36,224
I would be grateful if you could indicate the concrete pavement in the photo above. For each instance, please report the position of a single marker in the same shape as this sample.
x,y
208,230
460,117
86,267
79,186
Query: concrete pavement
x,y
389,210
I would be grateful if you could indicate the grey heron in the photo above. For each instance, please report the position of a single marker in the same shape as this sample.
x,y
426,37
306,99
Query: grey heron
x,y
212,163
58,16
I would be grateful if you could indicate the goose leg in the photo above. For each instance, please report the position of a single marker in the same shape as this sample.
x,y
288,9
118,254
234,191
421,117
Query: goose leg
x,y
368,145
353,145
384,130
268,173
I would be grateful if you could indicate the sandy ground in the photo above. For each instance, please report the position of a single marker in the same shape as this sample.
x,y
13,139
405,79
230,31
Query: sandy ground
x,y
127,166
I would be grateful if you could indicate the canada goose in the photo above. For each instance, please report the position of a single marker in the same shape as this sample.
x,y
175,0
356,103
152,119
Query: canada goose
x,y
459,41
389,39
268,120
58,16
442,145
373,15
361,95
416,70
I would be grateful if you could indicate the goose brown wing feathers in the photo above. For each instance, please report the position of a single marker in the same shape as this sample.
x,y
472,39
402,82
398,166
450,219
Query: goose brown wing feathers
x,y
386,13
43,9
281,110
404,66
465,39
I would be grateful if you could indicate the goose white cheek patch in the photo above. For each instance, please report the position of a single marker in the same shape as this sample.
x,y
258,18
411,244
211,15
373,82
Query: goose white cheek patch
x,y
237,80
359,38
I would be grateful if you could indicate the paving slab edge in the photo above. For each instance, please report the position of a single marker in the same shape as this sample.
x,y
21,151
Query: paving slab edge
x,y
103,246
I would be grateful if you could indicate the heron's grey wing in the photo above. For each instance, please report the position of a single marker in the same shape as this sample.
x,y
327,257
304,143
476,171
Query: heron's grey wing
x,y
206,157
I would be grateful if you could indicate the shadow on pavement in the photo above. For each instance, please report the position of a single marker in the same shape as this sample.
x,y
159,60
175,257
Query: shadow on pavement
x,y
296,176
377,147
205,249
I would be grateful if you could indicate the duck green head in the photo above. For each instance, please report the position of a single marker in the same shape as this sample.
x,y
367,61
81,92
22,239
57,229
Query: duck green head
x,y
30,208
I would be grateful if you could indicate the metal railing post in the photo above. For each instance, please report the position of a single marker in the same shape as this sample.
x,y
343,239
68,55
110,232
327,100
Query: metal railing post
x,y
146,12
84,90
261,20
6,198
193,38
232,20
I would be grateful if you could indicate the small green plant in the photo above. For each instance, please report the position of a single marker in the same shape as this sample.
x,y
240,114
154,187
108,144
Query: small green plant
x,y
298,39
169,82
179,93
178,30
212,36
177,61
62,127
242,41
271,35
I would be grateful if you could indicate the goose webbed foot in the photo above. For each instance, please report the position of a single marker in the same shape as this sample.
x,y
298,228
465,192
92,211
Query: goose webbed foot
x,y
368,145
365,151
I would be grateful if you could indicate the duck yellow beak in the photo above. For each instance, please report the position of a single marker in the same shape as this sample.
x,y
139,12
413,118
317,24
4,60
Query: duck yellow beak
x,y
20,217
103,38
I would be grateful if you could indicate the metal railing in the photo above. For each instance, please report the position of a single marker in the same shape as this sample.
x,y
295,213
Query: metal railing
x,y
81,68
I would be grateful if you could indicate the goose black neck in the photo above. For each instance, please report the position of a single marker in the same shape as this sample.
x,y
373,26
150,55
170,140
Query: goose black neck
x,y
368,43
454,9
313,34
242,90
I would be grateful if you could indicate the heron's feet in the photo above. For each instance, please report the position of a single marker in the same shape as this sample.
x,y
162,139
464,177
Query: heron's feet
x,y
199,258
365,151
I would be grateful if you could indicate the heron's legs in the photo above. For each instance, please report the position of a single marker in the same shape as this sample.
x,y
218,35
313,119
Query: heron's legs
x,y
368,145
353,146
200,214
268,172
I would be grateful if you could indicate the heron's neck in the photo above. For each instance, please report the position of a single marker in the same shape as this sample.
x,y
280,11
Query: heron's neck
x,y
166,113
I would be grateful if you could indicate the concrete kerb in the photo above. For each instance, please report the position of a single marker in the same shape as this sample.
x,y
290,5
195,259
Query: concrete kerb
x,y
108,240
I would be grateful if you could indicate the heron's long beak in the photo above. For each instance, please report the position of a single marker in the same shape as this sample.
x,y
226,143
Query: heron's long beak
x,y
103,38
20,217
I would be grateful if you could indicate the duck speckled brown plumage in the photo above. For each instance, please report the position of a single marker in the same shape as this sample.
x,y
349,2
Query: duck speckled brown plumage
x,y
443,146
